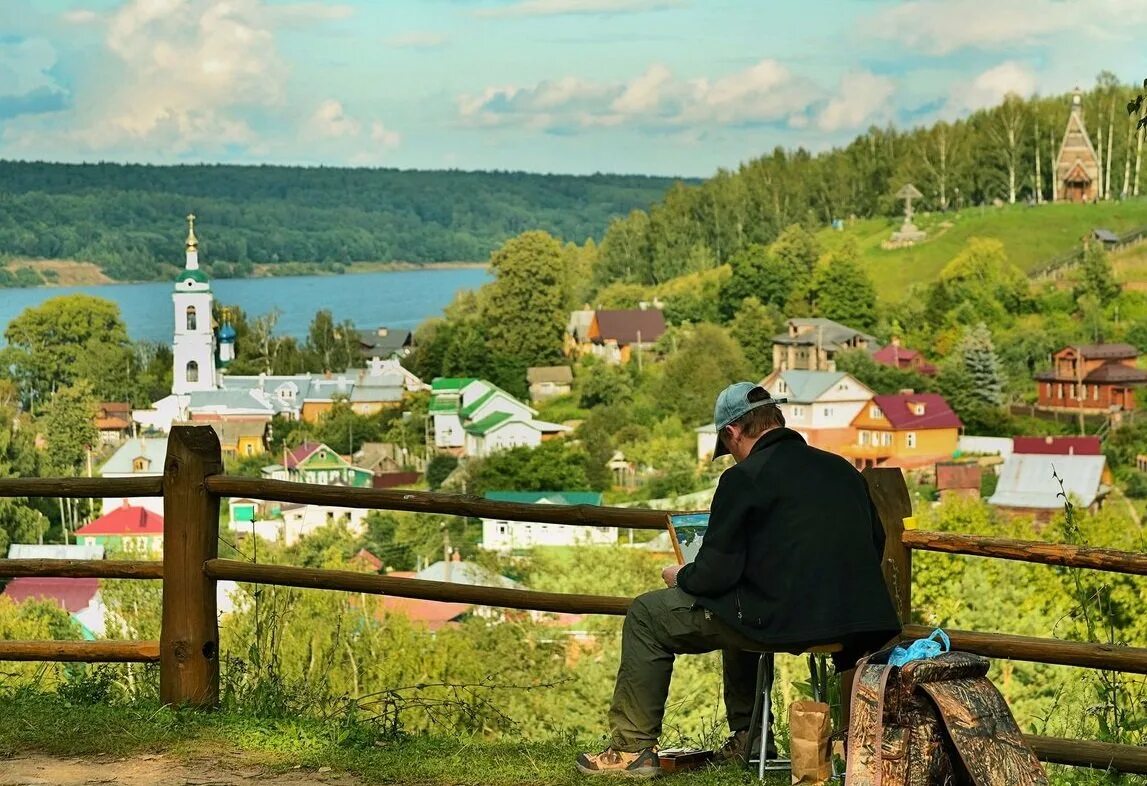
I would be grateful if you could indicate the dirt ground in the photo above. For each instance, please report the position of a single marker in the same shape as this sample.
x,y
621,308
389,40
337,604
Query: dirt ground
x,y
157,770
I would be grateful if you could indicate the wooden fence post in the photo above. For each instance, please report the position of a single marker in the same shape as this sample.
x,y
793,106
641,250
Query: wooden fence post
x,y
890,495
189,639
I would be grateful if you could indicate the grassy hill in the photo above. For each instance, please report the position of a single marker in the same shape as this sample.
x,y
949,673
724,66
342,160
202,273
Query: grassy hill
x,y
1032,236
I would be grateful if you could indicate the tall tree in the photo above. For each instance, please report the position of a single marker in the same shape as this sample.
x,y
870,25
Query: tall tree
x,y
798,247
65,339
69,428
1007,134
524,310
19,521
1096,276
982,365
753,328
707,360
843,291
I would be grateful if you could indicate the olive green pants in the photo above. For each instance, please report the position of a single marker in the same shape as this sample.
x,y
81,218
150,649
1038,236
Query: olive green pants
x,y
659,626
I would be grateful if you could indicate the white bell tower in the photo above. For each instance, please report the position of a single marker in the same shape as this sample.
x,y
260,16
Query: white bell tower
x,y
194,349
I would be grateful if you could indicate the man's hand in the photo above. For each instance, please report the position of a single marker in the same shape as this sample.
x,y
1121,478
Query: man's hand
x,y
669,575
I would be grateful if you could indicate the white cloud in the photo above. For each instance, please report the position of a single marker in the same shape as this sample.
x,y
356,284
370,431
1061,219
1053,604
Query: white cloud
x,y
337,134
384,136
418,39
765,92
182,75
940,27
862,97
330,120
989,88
568,7
25,67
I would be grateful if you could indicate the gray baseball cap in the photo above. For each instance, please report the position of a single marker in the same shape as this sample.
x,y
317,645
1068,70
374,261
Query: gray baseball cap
x,y
733,402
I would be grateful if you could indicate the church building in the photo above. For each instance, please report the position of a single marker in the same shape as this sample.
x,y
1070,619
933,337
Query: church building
x,y
1077,167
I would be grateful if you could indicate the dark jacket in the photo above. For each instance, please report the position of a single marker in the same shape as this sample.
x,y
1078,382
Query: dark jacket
x,y
793,551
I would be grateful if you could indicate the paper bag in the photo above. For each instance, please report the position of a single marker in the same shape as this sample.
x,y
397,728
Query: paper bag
x,y
809,730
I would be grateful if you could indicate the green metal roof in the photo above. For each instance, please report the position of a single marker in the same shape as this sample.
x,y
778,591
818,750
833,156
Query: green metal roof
x,y
488,424
444,384
443,404
548,497
469,410
194,275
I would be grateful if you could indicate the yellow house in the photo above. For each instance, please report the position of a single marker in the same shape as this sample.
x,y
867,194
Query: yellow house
x,y
905,429
239,437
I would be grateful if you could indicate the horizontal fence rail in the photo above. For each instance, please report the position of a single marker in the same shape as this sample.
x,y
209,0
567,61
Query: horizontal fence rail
x,y
82,488
81,651
1039,650
374,584
430,502
1088,753
1028,551
82,569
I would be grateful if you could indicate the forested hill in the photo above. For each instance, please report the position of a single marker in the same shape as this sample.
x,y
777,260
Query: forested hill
x,y
129,218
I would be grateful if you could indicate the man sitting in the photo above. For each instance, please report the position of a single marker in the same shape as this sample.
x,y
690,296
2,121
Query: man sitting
x,y
790,560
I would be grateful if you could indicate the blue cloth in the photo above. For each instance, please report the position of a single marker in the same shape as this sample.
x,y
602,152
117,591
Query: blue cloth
x,y
921,649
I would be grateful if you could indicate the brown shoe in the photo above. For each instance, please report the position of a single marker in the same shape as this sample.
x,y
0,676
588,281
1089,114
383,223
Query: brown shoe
x,y
641,764
737,747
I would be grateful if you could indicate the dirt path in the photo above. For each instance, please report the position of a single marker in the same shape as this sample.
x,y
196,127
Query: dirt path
x,y
157,770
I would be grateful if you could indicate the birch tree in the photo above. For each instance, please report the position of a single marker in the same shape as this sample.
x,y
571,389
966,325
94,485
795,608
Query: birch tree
x,y
941,150
1007,135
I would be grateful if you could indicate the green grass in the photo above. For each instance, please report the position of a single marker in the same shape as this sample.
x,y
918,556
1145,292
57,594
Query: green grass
x,y
47,725
1032,236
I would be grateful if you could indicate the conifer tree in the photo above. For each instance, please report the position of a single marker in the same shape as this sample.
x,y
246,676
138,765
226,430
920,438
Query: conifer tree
x,y
982,365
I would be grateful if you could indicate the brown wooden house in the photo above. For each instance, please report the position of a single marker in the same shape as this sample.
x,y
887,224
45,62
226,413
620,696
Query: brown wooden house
x,y
1077,167
1093,378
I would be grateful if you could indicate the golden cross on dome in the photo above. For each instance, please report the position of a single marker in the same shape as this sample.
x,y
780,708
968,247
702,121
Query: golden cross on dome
x,y
192,241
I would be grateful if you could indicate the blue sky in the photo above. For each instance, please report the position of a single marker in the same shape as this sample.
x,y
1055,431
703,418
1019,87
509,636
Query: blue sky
x,y
679,87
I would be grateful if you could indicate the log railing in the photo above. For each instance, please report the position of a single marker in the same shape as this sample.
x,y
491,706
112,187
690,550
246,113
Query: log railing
x,y
193,484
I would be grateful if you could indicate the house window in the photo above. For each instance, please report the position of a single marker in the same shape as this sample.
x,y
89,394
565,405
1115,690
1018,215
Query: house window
x,y
910,439
501,529
1049,390
1095,392
191,320
193,372
139,464
918,409
863,438
1059,390
874,412
886,439
798,412
250,449
782,387
828,412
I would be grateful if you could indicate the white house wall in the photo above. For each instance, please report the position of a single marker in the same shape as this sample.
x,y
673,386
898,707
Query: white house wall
x,y
512,434
500,535
500,402
448,431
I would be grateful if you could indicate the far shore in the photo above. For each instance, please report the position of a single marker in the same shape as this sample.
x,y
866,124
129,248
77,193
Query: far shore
x,y
73,273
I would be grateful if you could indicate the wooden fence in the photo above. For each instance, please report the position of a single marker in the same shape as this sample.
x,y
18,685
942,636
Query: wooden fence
x,y
193,484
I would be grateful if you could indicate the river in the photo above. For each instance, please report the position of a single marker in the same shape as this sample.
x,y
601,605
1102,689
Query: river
x,y
396,299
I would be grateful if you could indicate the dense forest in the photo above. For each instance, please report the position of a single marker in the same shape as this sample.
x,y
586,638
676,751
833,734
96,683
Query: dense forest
x,y
128,218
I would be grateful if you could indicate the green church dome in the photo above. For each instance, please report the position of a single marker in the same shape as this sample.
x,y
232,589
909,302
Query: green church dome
x,y
186,277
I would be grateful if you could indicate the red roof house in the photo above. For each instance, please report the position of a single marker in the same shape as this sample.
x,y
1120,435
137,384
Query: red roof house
x,y
1093,378
127,528
615,334
903,358
1058,446
906,429
72,595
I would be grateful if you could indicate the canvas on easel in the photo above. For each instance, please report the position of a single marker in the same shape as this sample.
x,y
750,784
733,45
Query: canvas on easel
x,y
686,532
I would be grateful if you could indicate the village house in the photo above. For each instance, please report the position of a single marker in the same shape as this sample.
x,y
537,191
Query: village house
x,y
618,336
139,457
896,356
905,430
821,404
576,339
811,344
314,462
1094,378
385,343
238,438
114,422
473,417
126,529
80,598
499,535
549,382
1028,484
1058,446
287,523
